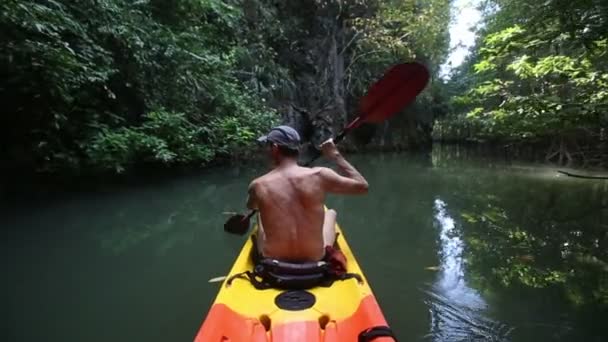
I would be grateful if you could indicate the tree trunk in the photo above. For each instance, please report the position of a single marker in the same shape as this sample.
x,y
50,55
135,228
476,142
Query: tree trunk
x,y
317,60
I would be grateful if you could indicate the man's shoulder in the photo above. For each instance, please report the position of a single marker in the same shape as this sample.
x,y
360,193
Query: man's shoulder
x,y
321,170
316,169
264,179
308,172
301,172
255,182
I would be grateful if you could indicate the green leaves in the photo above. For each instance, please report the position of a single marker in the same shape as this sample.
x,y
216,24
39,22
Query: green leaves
x,y
504,38
169,138
165,137
484,65
475,113
389,31
522,67
84,79
530,79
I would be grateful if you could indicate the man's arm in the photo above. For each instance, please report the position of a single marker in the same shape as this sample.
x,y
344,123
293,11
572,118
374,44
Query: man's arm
x,y
252,202
350,182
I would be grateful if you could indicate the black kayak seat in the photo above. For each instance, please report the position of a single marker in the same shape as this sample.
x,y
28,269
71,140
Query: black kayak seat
x,y
273,273
294,268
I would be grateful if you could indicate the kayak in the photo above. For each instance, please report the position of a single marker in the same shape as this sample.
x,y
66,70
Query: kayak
x,y
346,310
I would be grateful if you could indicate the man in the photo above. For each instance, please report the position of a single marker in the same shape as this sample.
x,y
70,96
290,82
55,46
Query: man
x,y
293,223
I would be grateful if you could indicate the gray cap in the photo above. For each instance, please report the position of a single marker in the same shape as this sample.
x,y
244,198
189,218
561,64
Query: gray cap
x,y
283,136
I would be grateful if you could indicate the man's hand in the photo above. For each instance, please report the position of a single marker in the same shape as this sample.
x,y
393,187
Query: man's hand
x,y
352,182
329,149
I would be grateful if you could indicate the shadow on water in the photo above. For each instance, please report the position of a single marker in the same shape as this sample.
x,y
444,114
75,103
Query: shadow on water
x,y
457,311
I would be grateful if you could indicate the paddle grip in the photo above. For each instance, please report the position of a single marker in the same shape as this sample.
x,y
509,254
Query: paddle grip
x,y
251,213
317,153
340,136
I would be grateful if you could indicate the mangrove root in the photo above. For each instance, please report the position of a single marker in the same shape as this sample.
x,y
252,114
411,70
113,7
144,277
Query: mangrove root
x,y
581,176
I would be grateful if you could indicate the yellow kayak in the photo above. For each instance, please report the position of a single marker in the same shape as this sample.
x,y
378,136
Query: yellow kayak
x,y
341,310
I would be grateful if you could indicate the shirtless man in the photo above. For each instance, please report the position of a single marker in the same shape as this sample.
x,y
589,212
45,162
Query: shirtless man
x,y
291,199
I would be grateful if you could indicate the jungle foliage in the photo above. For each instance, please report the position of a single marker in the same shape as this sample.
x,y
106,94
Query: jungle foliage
x,y
537,75
95,85
107,84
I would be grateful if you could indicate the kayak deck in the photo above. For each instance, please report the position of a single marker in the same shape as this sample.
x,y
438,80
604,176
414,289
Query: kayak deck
x,y
340,312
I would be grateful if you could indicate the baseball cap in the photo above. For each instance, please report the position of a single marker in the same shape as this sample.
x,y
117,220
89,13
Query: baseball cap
x,y
283,136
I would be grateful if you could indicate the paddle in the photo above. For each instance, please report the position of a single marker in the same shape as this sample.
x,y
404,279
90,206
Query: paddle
x,y
217,279
398,87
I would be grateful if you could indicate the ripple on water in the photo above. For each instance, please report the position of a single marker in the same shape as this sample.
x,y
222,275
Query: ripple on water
x,y
457,311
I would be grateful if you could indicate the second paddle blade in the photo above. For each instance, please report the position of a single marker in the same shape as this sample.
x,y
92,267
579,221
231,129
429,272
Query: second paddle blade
x,y
396,89
237,224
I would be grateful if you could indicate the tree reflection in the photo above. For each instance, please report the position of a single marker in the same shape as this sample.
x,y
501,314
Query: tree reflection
x,y
531,232
545,248
172,214
458,312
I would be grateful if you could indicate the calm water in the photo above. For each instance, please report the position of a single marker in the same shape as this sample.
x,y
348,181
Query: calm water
x,y
133,264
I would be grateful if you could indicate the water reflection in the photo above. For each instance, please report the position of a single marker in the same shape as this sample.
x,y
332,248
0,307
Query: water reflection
x,y
457,310
95,260
171,220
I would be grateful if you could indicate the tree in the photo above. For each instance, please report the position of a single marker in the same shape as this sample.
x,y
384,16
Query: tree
x,y
539,76
87,84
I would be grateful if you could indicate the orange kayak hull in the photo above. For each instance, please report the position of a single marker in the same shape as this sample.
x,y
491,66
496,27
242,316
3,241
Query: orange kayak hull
x,y
341,312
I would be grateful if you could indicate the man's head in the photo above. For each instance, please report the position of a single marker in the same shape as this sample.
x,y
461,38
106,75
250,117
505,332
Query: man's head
x,y
284,142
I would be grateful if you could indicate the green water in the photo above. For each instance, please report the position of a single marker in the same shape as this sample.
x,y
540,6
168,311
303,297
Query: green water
x,y
434,236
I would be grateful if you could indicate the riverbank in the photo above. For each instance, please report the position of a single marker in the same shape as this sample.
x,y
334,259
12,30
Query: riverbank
x,y
27,184
537,153
16,182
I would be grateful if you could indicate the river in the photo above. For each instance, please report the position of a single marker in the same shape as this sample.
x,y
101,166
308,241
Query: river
x,y
456,248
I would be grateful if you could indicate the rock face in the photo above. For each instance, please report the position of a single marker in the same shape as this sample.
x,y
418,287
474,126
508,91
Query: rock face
x,y
319,105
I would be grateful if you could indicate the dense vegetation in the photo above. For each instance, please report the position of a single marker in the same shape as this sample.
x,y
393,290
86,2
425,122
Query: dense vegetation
x,y
537,76
108,85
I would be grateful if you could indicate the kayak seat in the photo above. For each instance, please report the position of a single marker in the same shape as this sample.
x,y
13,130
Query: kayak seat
x,y
272,273
284,275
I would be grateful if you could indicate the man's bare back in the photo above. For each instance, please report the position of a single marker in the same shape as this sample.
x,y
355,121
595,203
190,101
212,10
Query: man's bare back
x,y
291,200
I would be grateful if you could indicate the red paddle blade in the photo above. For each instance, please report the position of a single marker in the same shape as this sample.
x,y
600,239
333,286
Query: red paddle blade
x,y
397,88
